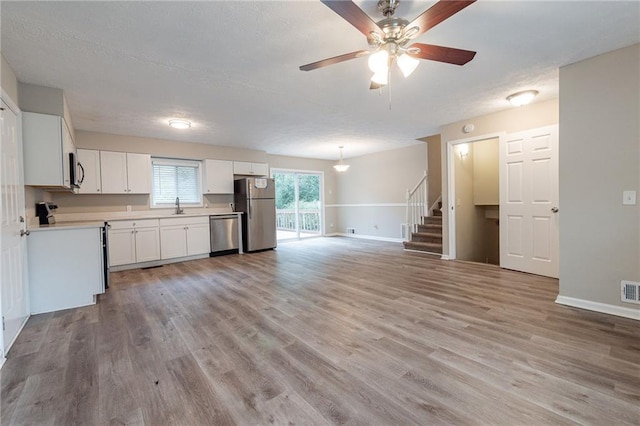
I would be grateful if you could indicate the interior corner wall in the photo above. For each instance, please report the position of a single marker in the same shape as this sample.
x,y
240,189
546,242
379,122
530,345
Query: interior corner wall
x,y
469,219
434,167
371,195
8,80
599,159
538,114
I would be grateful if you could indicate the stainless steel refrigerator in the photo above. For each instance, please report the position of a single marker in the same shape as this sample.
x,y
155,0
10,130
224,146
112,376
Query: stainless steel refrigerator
x,y
256,198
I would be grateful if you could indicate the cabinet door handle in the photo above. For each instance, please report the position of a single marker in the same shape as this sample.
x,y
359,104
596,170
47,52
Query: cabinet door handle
x,y
21,219
23,232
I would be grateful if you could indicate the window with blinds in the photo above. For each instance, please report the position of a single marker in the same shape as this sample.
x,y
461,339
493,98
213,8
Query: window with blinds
x,y
176,178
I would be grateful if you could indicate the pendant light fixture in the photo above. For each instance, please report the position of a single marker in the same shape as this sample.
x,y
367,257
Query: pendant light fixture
x,y
341,166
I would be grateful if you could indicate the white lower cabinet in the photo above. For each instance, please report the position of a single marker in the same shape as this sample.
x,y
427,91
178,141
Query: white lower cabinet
x,y
181,237
66,268
133,241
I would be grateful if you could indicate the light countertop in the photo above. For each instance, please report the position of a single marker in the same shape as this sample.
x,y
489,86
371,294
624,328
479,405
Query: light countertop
x,y
96,220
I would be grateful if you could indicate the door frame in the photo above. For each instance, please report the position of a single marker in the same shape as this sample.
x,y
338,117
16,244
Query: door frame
x,y
309,172
25,277
451,183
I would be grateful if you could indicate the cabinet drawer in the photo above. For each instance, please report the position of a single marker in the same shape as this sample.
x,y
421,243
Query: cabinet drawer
x,y
173,221
128,224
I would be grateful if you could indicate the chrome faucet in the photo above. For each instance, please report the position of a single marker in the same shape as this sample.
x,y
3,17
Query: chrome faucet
x,y
178,209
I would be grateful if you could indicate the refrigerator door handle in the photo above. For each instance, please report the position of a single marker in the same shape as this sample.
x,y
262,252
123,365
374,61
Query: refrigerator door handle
x,y
249,208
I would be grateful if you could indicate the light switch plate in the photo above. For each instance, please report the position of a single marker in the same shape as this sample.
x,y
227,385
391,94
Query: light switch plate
x,y
629,198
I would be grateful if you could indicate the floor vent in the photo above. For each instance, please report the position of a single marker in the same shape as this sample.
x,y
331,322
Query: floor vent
x,y
630,291
351,230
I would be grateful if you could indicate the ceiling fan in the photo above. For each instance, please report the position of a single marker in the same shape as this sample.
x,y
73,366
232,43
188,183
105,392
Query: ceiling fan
x,y
388,38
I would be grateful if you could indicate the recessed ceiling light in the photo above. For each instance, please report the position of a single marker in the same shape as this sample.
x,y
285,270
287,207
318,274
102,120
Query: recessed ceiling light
x,y
180,124
522,98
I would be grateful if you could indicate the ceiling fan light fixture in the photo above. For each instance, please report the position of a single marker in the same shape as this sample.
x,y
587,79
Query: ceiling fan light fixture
x,y
522,98
379,61
341,166
180,124
407,64
381,78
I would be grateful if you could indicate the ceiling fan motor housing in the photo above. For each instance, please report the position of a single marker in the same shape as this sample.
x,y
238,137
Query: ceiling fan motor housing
x,y
388,7
393,29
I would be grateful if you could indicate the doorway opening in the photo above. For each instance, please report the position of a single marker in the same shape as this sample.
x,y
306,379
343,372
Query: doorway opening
x,y
298,204
476,200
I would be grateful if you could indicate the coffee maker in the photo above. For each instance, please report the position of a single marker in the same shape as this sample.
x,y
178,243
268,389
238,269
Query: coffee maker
x,y
44,211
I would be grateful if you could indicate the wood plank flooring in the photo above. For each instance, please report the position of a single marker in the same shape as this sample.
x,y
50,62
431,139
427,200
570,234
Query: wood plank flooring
x,y
325,331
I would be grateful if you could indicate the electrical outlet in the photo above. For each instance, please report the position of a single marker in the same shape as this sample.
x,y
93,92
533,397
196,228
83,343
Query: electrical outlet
x,y
351,230
629,198
128,208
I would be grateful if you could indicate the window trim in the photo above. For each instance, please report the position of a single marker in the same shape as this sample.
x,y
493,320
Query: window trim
x,y
177,162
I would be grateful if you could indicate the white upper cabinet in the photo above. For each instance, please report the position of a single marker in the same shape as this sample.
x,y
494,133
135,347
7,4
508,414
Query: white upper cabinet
x,y
47,143
139,173
252,169
218,177
125,173
90,161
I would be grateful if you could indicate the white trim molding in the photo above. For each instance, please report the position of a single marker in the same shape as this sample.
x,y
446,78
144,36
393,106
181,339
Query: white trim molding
x,y
605,308
369,237
368,205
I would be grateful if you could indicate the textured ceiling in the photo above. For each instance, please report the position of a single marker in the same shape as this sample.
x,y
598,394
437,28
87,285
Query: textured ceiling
x,y
232,67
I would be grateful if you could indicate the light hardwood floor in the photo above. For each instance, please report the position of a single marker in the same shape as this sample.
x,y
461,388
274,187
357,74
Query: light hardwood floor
x,y
324,331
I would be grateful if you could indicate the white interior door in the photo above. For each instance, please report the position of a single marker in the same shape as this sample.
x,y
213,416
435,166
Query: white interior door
x,y
15,309
529,201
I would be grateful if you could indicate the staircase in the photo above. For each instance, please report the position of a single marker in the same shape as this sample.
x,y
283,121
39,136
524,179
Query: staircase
x,y
428,237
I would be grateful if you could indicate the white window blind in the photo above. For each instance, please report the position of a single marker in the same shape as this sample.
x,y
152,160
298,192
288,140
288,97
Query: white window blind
x,y
176,178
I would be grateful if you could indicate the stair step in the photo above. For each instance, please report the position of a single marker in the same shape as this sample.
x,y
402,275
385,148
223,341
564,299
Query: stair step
x,y
437,212
431,228
437,220
426,247
426,237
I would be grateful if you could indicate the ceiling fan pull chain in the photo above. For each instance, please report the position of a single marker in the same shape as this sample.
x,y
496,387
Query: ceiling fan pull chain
x,y
389,86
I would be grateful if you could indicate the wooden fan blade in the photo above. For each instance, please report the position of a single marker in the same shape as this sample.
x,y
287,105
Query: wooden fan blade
x,y
437,13
351,13
449,55
334,60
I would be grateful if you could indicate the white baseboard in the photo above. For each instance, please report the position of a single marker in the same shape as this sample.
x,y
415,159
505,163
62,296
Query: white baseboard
x,y
604,308
445,257
2,357
153,263
369,237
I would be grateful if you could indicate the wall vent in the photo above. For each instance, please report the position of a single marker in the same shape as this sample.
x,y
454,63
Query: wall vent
x,y
351,230
630,291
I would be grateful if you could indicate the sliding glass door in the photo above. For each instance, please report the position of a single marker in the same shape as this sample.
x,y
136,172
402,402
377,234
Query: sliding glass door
x,y
298,204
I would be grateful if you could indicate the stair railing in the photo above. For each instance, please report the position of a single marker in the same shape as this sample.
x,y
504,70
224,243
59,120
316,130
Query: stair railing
x,y
417,200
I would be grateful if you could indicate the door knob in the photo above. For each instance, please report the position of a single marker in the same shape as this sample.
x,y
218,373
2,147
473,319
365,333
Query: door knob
x,y
554,210
23,232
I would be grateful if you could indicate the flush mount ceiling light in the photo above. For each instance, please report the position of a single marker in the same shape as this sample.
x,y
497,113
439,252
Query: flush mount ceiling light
x,y
341,166
522,98
180,124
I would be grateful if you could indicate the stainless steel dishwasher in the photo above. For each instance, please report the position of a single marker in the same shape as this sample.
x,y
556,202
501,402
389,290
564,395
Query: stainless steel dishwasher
x,y
224,234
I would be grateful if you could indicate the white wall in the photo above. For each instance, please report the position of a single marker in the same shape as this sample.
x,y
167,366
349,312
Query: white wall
x,y
599,158
371,195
